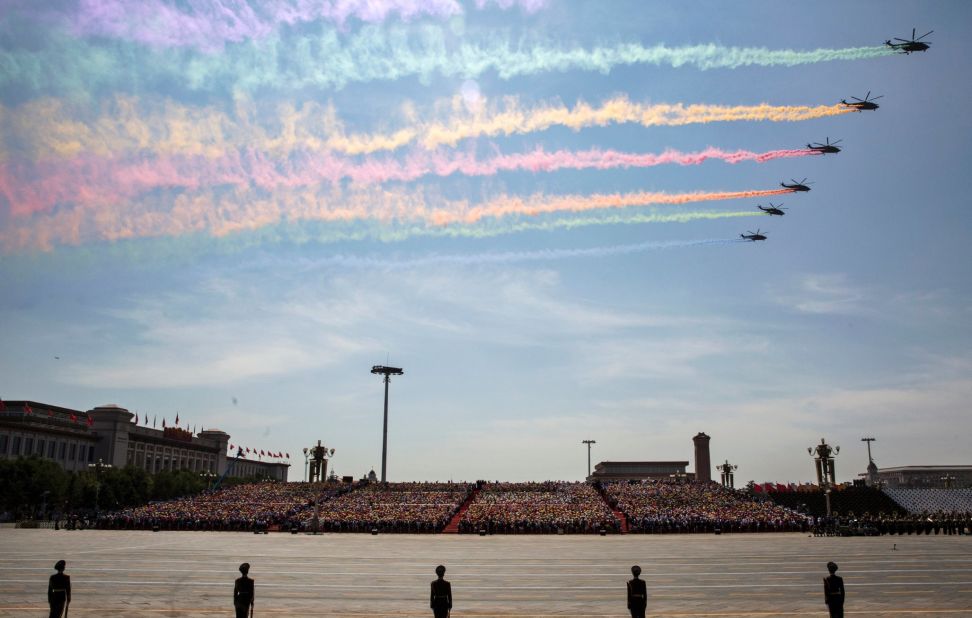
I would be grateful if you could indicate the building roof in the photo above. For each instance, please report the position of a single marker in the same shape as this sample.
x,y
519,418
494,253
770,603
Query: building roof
x,y
934,468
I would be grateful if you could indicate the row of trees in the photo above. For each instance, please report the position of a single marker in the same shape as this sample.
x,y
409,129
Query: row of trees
x,y
35,487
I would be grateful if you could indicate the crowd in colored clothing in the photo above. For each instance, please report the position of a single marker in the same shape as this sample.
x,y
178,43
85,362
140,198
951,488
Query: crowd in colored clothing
x,y
242,507
665,506
391,507
548,507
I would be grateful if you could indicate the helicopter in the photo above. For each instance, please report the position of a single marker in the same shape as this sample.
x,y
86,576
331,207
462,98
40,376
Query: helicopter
x,y
802,185
825,148
753,236
772,210
867,103
913,45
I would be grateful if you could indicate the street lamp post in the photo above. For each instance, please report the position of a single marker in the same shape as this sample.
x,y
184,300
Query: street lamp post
x,y
306,460
208,476
728,474
826,472
98,467
588,443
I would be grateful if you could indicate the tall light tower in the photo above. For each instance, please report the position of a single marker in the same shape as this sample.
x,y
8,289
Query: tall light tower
x,y
388,372
869,440
588,443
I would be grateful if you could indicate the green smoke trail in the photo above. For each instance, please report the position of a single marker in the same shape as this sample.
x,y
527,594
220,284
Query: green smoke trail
x,y
61,65
163,254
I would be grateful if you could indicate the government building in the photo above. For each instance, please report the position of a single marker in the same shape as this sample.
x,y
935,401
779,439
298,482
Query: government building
x,y
74,439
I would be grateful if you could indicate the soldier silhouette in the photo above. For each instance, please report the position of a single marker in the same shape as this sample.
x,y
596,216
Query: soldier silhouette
x,y
441,599
834,592
637,594
243,593
59,591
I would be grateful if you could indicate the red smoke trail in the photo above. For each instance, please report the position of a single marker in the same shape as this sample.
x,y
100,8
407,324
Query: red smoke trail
x,y
30,188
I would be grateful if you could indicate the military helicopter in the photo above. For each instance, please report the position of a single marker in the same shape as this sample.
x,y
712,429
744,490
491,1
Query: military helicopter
x,y
803,185
772,210
913,45
753,236
825,148
867,103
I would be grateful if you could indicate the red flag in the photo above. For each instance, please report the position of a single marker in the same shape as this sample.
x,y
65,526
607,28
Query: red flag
x,y
3,406
27,409
154,418
74,417
50,414
163,422
248,449
261,453
90,421
288,455
136,418
177,418
231,447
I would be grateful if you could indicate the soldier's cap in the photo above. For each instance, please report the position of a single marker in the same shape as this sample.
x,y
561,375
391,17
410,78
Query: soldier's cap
x,y
440,570
832,567
59,565
636,570
245,568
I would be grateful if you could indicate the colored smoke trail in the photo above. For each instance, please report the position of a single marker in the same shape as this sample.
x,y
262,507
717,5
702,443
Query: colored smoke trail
x,y
329,59
208,25
93,180
508,257
241,210
50,127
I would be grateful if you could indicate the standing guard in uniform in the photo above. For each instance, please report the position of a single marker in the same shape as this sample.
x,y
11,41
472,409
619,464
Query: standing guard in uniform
x,y
637,594
441,600
834,592
59,591
243,593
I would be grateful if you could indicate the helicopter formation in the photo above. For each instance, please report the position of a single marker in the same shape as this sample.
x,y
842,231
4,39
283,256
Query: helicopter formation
x,y
903,46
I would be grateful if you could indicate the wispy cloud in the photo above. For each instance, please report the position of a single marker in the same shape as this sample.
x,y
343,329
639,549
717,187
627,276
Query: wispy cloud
x,y
824,294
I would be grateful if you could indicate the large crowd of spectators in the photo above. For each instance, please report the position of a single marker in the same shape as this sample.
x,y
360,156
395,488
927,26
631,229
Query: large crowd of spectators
x,y
668,506
390,507
538,508
242,507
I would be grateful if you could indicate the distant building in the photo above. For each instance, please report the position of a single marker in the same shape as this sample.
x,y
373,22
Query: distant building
x,y
917,477
640,470
74,439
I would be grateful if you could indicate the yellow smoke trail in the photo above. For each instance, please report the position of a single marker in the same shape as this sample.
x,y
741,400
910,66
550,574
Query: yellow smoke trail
x,y
243,209
48,128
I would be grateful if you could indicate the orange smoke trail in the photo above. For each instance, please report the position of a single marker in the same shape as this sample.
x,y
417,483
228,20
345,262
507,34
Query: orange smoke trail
x,y
51,128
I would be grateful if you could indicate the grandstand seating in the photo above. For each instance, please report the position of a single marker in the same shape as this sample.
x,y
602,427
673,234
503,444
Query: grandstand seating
x,y
662,506
845,501
545,508
919,501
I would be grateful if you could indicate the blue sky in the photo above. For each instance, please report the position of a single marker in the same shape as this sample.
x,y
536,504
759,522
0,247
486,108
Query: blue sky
x,y
851,320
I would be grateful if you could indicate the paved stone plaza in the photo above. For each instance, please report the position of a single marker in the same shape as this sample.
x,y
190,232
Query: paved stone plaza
x,y
122,574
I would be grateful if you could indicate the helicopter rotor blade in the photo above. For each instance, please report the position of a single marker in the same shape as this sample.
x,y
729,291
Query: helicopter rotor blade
x,y
867,96
924,35
856,99
877,97
837,142
913,33
902,40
